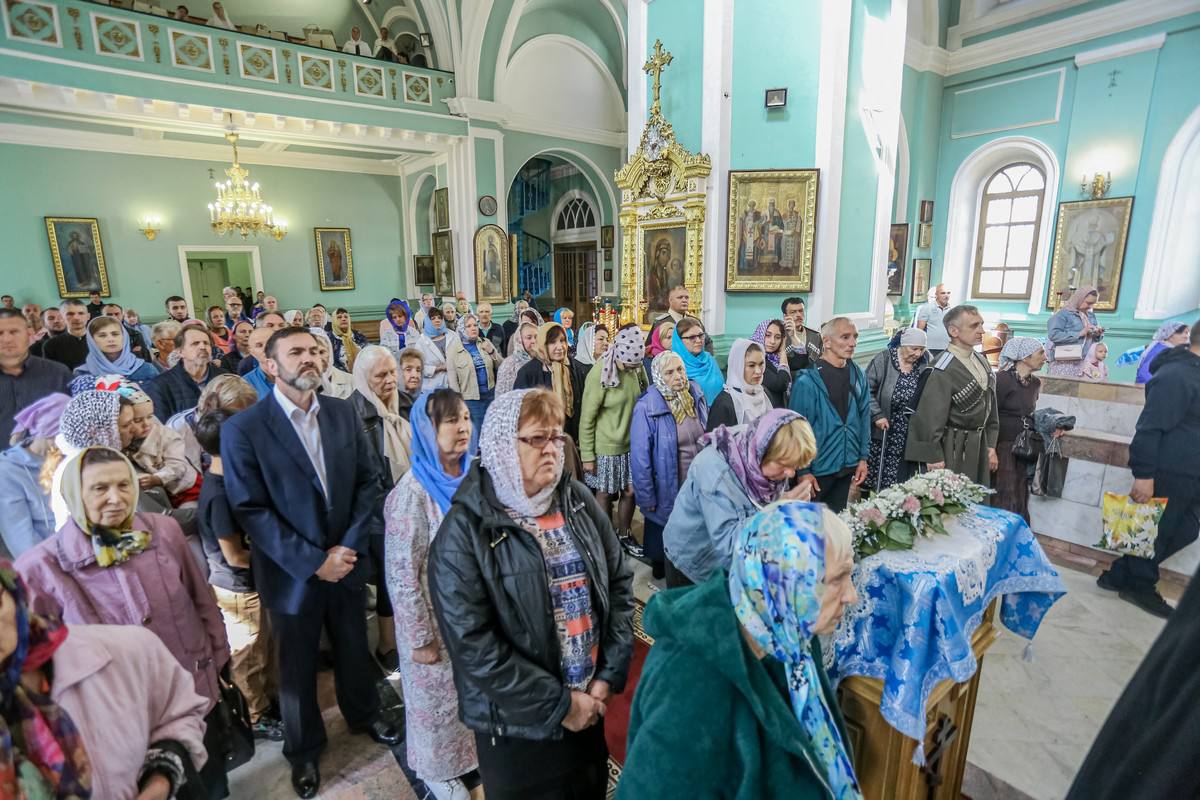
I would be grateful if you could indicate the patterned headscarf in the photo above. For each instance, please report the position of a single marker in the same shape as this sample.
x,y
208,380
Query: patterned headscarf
x,y
627,350
518,357
97,363
109,545
41,751
89,420
426,461
1018,349
585,350
560,373
743,448
1164,332
40,419
558,317
774,585
760,336
681,403
498,455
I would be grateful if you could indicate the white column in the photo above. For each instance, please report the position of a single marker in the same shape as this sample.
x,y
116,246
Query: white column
x,y
635,57
714,140
460,178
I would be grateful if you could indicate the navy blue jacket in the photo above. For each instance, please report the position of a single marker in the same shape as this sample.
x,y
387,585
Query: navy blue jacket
x,y
654,454
276,496
1167,438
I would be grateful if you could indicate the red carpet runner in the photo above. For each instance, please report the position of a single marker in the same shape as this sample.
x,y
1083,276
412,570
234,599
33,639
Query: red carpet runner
x,y
616,718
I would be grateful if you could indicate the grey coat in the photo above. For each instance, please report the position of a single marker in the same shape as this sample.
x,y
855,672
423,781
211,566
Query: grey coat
x,y
881,378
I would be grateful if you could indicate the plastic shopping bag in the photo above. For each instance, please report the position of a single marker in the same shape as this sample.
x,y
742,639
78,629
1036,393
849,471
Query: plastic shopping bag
x,y
1130,527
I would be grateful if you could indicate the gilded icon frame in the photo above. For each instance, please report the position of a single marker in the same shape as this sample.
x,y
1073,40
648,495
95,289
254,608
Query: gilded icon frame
x,y
338,238
56,228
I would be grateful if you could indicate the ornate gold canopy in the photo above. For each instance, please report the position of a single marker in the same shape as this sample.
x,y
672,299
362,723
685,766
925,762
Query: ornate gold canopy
x,y
662,213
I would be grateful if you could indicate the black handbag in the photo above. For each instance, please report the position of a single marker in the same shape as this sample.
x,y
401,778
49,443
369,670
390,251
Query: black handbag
x,y
234,715
1028,444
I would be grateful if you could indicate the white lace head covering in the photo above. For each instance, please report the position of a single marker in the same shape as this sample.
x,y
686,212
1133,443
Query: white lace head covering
x,y
498,455
89,420
1018,349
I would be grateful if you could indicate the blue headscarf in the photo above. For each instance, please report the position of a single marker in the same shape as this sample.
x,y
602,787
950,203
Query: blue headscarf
x,y
702,369
426,463
97,363
430,331
558,315
400,330
778,565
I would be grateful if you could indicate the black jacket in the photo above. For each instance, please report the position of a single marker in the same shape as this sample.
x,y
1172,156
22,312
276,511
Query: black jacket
x,y
534,375
372,425
174,390
487,579
1168,431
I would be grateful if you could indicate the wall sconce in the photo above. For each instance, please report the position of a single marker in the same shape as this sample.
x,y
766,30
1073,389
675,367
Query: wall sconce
x,y
1097,187
280,230
776,98
150,226
426,40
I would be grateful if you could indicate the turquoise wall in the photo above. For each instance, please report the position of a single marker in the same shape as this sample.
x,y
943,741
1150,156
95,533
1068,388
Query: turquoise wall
x,y
680,26
1125,128
118,188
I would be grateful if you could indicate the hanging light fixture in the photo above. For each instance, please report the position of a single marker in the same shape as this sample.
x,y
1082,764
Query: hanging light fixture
x,y
239,205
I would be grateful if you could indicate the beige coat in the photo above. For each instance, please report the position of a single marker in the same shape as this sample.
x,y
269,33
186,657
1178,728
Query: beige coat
x,y
460,368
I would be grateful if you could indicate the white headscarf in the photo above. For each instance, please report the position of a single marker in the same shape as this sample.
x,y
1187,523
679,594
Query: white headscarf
x,y
498,455
1018,349
750,402
397,433
585,343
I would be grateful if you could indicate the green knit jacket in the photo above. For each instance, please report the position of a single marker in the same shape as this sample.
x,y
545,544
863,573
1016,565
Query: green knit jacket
x,y
607,413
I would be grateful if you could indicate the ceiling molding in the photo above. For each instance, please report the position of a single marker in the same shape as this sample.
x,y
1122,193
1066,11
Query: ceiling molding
x,y
925,58
1000,16
1120,49
37,136
503,115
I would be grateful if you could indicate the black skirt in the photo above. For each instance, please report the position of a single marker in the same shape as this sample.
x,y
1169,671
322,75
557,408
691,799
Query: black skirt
x,y
574,767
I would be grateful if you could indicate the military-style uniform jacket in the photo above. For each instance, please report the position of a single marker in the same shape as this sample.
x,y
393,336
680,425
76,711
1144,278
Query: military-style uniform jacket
x,y
956,419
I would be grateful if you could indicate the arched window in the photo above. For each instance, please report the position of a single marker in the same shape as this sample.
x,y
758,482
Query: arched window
x,y
575,214
1009,227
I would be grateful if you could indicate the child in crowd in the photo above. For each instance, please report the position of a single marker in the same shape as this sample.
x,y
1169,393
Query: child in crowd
x,y
1094,368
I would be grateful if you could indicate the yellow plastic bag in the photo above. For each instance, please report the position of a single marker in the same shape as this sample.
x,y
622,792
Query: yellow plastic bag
x,y
1130,527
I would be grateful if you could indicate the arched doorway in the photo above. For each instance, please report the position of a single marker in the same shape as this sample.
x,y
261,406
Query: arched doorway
x,y
553,212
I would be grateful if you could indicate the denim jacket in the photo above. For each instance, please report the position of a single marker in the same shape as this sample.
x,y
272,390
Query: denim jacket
x,y
1066,328
710,509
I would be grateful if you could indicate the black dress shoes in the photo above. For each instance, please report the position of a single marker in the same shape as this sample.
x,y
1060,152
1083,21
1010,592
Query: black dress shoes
x,y
306,779
383,732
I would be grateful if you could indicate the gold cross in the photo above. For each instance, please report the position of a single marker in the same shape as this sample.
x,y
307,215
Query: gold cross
x,y
657,63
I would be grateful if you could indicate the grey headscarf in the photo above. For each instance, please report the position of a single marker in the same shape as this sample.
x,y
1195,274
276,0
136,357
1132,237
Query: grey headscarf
x,y
1017,349
1164,332
90,420
498,455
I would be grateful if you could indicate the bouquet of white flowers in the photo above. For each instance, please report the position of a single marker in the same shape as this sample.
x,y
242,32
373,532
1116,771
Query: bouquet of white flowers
x,y
892,519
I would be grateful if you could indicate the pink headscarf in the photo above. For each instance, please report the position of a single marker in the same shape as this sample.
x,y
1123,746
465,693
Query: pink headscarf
x,y
656,346
1078,297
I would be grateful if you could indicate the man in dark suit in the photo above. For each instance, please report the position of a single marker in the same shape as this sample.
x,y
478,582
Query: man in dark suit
x,y
299,477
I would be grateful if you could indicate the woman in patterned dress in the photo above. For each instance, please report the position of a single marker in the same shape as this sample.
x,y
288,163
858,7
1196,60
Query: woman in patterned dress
x,y
440,748
893,376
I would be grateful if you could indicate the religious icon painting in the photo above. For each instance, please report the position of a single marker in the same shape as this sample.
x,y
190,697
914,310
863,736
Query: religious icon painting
x,y
441,208
924,235
423,270
664,254
607,236
926,211
443,264
771,230
335,264
77,255
491,265
922,267
897,250
1089,249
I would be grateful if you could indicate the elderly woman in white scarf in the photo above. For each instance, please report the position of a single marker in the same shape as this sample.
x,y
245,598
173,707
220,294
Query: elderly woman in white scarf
x,y
520,349
609,394
389,435
744,399
525,565
1017,389
334,382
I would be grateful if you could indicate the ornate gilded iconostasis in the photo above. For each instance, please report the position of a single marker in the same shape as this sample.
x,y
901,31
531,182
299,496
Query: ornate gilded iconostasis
x,y
662,214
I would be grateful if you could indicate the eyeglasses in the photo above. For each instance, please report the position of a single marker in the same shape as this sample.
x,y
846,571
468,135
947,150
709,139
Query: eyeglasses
x,y
540,442
693,337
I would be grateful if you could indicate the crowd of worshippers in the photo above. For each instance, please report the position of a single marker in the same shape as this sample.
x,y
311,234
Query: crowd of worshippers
x,y
204,502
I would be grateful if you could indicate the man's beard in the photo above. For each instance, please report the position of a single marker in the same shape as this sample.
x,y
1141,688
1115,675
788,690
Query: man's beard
x,y
301,381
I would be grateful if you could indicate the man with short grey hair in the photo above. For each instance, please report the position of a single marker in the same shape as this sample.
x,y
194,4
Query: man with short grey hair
x,y
956,423
930,318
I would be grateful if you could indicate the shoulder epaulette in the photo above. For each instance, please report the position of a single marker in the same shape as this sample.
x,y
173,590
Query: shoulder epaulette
x,y
944,360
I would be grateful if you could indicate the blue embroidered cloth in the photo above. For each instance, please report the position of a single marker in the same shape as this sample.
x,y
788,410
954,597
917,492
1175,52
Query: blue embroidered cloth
x,y
918,609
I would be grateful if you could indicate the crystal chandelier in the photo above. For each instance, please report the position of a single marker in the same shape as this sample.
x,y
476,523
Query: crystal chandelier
x,y
239,206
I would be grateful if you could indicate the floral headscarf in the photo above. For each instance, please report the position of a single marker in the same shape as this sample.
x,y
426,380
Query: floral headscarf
x,y
518,357
498,455
1018,349
426,461
89,420
109,545
585,350
681,403
41,751
774,585
627,350
760,336
743,448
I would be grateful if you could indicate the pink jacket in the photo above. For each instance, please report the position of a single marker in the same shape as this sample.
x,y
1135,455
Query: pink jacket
x,y
161,588
124,692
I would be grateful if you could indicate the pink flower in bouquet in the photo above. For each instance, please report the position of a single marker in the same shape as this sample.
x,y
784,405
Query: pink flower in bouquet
x,y
872,516
911,504
937,496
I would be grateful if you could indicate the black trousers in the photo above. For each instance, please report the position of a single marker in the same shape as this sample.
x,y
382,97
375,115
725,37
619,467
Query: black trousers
x,y
342,613
834,490
1179,527
675,578
574,767
383,601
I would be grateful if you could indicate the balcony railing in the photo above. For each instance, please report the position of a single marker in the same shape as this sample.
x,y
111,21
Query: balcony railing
x,y
115,40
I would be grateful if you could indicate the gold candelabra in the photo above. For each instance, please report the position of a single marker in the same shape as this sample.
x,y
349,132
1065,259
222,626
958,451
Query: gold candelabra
x,y
604,314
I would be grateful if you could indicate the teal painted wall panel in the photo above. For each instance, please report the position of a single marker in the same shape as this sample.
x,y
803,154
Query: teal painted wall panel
x,y
485,177
491,47
142,273
783,138
680,26
921,108
1014,102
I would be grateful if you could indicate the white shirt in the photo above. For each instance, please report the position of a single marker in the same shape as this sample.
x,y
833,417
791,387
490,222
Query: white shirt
x,y
357,47
308,430
935,330
217,22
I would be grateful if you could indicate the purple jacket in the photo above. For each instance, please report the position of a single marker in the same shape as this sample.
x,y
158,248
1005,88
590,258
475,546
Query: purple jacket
x,y
654,451
161,588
